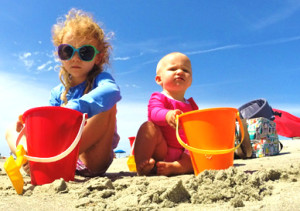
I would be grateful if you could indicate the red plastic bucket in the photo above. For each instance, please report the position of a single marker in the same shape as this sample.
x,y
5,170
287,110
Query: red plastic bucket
x,y
52,135
131,141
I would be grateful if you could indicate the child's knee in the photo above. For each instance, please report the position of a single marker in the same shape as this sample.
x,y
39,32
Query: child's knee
x,y
107,119
150,128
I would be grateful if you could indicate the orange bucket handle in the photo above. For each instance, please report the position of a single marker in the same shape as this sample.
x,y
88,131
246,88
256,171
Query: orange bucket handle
x,y
205,151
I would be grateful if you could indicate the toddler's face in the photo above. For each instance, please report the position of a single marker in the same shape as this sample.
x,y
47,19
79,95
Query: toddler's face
x,y
175,73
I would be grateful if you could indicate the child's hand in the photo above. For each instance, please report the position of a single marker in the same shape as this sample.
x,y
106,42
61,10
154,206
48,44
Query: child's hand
x,y
171,117
19,124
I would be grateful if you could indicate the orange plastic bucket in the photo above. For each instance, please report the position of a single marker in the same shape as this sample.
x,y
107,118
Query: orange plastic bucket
x,y
52,135
210,137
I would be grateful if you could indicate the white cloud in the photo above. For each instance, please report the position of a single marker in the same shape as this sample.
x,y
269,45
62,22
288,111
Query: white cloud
x,y
121,73
25,55
149,46
25,59
51,55
214,49
43,66
282,14
131,86
277,41
121,58
135,86
28,63
234,46
125,58
37,61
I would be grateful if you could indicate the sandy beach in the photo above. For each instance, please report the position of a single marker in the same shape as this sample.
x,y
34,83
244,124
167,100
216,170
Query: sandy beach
x,y
268,183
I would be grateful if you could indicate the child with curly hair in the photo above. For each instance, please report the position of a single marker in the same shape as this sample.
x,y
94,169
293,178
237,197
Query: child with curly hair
x,y
83,50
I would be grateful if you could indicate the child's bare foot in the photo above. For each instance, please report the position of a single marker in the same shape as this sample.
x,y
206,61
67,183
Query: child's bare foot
x,y
146,167
166,168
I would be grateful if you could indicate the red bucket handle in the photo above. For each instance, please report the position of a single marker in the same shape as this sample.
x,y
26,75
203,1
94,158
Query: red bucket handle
x,y
61,155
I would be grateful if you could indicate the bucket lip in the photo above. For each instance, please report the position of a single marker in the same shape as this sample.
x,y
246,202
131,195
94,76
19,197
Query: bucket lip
x,y
209,109
42,108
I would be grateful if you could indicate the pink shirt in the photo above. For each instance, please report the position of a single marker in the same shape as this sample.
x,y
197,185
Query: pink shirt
x,y
158,107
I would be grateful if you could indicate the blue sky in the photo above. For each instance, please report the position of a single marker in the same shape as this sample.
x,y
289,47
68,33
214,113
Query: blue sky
x,y
240,51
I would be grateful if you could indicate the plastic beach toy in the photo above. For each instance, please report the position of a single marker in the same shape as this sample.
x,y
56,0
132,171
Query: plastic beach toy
x,y
52,135
12,168
131,141
131,161
210,137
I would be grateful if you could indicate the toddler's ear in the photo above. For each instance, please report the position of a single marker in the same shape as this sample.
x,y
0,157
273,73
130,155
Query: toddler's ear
x,y
158,80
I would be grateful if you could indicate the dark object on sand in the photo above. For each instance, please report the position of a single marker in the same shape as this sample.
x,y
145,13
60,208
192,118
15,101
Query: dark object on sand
x,y
256,108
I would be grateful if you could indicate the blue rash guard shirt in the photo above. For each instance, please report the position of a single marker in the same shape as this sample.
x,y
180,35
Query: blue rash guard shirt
x,y
103,96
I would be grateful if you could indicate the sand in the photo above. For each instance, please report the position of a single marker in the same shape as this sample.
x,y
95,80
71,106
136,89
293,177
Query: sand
x,y
268,183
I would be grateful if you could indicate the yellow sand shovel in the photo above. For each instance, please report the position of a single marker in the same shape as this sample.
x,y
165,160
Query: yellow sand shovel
x,y
12,168
131,163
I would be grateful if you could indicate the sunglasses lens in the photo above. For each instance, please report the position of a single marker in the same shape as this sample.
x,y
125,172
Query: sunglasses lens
x,y
65,52
87,53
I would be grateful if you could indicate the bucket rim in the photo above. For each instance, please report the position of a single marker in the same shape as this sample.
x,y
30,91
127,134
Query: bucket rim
x,y
204,151
42,108
209,109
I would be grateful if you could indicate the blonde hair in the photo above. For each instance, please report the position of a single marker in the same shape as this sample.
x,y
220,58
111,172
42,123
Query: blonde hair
x,y
83,26
162,61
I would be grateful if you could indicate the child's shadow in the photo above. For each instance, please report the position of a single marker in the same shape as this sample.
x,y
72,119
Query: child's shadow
x,y
119,175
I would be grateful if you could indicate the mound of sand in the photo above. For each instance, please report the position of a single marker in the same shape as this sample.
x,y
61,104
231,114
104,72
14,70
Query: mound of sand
x,y
261,183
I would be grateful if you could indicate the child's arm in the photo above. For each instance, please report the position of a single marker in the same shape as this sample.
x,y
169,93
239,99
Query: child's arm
x,y
157,110
55,96
100,99
158,113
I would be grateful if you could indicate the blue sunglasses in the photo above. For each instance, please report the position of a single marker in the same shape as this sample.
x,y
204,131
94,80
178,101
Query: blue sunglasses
x,y
86,52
